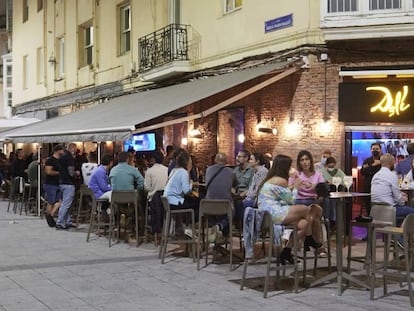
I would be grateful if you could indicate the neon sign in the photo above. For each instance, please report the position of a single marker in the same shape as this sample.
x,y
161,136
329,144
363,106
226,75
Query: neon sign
x,y
389,104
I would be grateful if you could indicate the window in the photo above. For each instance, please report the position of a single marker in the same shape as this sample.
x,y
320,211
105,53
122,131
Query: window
x,y
40,65
60,73
86,46
125,29
335,6
39,5
7,82
9,98
25,10
231,5
8,73
384,4
25,72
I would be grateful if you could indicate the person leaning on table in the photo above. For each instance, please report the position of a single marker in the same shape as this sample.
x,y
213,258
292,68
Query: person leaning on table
x,y
385,188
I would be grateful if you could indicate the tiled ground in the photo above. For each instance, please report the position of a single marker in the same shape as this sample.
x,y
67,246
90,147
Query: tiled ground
x,y
45,269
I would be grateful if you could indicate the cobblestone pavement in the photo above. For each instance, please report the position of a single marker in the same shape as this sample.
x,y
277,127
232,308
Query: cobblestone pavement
x,y
45,269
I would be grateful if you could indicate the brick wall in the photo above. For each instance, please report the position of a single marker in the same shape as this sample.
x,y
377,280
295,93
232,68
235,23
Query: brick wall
x,y
305,92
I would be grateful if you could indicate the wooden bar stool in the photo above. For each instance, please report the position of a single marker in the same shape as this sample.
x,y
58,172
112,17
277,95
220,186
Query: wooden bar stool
x,y
96,211
123,197
406,231
268,235
382,215
213,208
167,236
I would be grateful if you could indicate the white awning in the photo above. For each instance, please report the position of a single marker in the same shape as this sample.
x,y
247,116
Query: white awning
x,y
117,118
6,125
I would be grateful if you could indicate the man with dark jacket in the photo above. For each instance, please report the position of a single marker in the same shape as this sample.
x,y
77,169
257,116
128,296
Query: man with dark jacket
x,y
370,166
67,176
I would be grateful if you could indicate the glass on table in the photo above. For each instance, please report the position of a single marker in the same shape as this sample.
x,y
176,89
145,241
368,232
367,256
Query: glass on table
x,y
348,180
400,178
336,181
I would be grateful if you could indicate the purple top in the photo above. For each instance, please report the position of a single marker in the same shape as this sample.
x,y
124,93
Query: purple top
x,y
99,182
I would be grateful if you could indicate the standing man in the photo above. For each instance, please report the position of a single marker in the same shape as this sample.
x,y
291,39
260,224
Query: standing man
x,y
18,167
67,176
99,180
124,177
219,181
51,186
404,166
371,166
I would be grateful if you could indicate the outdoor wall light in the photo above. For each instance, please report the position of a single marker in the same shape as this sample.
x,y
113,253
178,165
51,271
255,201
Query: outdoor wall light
x,y
292,128
326,126
268,130
241,138
196,133
184,141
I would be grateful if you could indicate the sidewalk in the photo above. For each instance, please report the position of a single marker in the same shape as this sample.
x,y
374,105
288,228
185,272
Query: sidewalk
x,y
45,269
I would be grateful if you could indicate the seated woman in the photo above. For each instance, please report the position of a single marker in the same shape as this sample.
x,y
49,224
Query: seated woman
x,y
306,179
257,163
276,197
179,186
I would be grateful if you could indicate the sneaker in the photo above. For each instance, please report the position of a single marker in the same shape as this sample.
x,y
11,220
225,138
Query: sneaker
x,y
397,243
50,220
122,221
214,233
189,232
61,227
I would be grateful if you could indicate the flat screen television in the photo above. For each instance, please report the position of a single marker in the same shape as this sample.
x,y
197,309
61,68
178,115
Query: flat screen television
x,y
141,142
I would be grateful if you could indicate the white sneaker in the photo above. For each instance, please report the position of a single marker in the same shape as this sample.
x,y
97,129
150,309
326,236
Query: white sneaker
x,y
214,234
189,232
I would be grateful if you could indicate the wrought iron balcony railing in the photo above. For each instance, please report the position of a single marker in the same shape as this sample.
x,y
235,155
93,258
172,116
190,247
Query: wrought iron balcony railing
x,y
163,46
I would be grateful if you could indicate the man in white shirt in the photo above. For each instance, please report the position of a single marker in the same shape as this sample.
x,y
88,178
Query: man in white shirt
x,y
385,188
155,180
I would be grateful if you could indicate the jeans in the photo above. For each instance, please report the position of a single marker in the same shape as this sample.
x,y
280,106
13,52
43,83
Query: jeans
x,y
68,193
329,209
401,212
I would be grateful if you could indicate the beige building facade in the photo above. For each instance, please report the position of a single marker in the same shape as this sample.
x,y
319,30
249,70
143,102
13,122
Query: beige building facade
x,y
66,46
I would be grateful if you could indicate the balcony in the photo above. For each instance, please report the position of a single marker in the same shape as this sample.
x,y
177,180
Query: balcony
x,y
164,53
366,19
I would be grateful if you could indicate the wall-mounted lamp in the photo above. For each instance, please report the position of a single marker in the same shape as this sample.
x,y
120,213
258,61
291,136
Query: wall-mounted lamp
x,y
241,138
267,130
184,141
196,133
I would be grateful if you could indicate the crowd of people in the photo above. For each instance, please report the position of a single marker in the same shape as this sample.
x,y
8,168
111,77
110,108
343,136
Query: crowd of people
x,y
293,196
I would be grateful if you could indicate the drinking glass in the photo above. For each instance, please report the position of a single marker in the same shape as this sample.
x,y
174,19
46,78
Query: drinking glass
x,y
348,180
400,179
336,181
